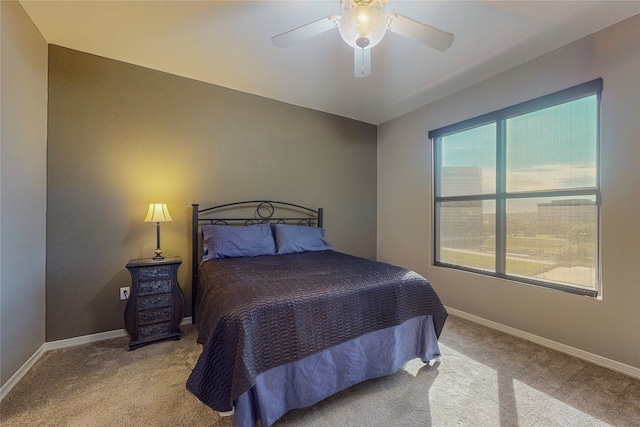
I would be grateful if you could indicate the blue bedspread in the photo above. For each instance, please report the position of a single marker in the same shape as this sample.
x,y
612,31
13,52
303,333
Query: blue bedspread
x,y
262,312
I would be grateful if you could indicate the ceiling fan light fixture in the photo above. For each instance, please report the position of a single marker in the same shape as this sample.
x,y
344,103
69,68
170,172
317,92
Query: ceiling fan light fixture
x,y
362,26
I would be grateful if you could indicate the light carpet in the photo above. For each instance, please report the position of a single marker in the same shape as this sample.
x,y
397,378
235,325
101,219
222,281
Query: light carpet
x,y
484,378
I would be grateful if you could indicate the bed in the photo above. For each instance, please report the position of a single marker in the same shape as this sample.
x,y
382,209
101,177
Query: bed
x,y
286,321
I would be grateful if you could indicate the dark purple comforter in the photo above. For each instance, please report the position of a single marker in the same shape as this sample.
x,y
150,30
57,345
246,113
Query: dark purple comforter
x,y
261,312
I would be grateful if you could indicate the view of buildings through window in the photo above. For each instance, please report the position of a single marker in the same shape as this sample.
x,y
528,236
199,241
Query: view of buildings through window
x,y
518,195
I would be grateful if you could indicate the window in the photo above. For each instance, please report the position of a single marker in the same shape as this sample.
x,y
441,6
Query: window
x,y
516,192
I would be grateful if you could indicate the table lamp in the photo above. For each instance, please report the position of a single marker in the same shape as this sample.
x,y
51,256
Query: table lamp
x,y
158,212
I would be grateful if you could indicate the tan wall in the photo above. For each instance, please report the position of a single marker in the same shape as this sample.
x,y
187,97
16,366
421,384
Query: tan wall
x,y
23,150
122,136
609,327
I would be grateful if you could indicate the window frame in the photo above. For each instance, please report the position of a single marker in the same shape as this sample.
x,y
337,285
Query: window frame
x,y
501,196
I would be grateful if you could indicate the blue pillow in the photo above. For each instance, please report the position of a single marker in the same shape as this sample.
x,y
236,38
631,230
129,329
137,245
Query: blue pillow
x,y
229,241
298,238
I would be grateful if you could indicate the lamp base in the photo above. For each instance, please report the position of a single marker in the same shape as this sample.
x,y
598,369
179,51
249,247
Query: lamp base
x,y
158,253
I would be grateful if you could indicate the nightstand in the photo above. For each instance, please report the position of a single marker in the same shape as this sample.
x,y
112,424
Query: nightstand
x,y
155,307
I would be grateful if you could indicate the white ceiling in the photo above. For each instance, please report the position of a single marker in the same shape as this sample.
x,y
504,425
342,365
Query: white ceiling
x,y
228,43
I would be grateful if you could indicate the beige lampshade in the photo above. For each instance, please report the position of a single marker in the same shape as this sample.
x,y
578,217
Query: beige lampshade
x,y
158,212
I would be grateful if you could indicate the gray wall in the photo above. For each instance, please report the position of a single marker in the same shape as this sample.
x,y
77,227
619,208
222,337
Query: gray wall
x,y
610,326
23,150
122,136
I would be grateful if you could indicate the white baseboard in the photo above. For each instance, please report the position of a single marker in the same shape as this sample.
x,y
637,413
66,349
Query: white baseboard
x,y
84,339
53,345
21,372
614,365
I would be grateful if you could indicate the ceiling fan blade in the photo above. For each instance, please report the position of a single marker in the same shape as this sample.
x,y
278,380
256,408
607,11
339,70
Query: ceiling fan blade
x,y
304,32
361,62
425,34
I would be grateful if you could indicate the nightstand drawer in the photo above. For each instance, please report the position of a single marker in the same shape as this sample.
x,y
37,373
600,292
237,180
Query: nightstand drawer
x,y
153,273
154,301
155,316
155,287
154,330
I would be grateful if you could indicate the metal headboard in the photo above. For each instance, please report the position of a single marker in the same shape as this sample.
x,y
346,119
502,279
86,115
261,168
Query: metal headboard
x,y
261,212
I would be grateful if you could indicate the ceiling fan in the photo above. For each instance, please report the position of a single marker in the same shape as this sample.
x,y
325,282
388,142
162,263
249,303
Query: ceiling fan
x,y
362,25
